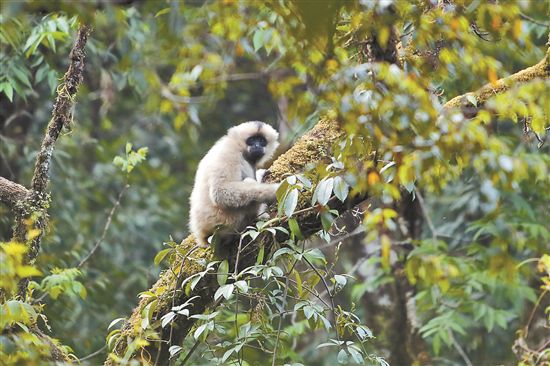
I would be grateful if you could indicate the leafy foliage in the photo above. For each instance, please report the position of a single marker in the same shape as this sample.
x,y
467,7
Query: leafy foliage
x,y
465,271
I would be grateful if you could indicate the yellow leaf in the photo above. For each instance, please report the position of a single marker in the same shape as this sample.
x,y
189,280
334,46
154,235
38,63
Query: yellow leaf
x,y
537,124
383,36
516,30
14,249
544,264
373,178
33,233
27,271
454,24
492,75
332,65
444,285
165,106
497,22
239,50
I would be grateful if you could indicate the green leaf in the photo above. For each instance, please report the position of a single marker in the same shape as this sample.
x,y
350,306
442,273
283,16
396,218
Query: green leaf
x,y
174,350
340,280
472,99
115,322
200,330
51,41
52,81
7,89
161,255
261,254
223,272
167,318
21,74
41,73
162,12
315,254
31,40
326,220
226,291
343,357
323,191
295,228
242,286
79,289
308,311
290,202
341,188
258,39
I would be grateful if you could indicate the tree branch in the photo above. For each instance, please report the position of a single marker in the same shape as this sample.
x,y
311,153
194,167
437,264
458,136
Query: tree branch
x,y
37,200
540,70
11,192
61,114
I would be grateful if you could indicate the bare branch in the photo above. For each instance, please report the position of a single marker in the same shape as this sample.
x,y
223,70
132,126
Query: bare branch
x,y
105,227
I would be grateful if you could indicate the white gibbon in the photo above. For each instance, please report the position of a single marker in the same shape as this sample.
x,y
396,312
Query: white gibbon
x,y
227,193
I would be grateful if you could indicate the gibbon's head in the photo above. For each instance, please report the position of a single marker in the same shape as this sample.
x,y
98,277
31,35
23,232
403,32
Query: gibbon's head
x,y
258,141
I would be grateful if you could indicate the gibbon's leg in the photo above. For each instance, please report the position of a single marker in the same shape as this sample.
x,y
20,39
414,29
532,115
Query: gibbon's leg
x,y
240,194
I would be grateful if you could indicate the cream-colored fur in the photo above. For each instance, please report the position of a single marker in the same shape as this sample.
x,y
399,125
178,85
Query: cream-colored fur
x,y
226,191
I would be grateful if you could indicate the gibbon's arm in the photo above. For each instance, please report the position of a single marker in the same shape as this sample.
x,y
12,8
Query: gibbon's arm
x,y
241,194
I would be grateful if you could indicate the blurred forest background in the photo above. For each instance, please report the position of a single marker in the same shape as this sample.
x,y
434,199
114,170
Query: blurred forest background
x,y
163,80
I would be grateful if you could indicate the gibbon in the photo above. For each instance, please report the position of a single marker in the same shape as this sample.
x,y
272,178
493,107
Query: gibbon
x,y
226,193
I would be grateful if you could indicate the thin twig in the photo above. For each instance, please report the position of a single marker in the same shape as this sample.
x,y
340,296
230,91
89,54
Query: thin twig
x,y
425,213
311,292
106,227
532,20
238,255
460,350
281,312
280,322
532,315
188,356
93,354
330,295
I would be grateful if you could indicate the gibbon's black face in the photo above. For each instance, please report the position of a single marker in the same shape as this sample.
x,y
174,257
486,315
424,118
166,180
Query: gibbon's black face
x,y
255,148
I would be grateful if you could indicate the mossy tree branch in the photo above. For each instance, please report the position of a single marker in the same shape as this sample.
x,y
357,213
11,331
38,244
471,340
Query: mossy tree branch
x,y
539,71
11,192
25,202
315,146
